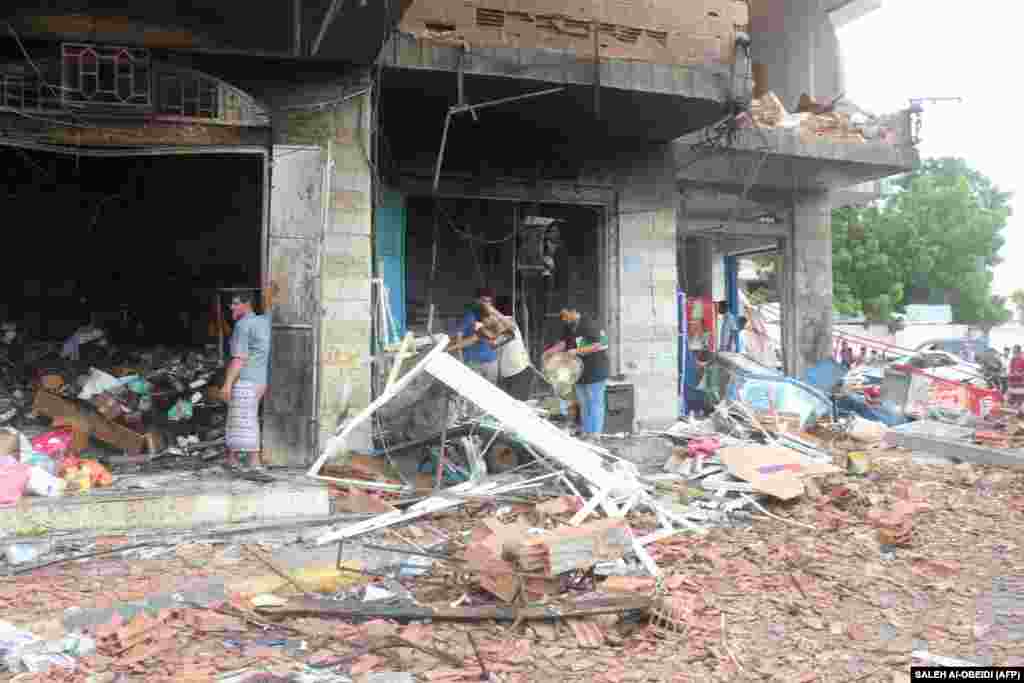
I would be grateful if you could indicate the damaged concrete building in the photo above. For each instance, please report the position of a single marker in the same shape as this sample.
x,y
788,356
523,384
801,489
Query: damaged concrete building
x,y
329,152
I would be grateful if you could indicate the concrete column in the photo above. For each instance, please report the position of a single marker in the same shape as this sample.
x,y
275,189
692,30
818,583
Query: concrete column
x,y
346,265
807,295
649,205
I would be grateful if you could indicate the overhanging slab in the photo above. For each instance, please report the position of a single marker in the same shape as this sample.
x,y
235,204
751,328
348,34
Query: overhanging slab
x,y
792,164
640,100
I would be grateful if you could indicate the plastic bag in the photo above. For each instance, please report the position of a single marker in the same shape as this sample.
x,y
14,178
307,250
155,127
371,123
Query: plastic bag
x,y
77,479
182,410
13,479
98,383
42,461
66,464
42,483
53,444
98,474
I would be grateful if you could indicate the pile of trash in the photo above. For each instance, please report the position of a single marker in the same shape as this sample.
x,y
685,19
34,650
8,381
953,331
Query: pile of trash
x,y
73,413
815,120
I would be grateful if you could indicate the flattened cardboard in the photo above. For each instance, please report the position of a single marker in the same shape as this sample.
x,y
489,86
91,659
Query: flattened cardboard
x,y
84,424
775,471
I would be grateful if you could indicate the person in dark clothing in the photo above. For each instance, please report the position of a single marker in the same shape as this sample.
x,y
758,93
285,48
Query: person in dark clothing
x,y
583,337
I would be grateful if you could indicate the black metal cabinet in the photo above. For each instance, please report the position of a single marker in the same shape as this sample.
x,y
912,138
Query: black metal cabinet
x,y
620,409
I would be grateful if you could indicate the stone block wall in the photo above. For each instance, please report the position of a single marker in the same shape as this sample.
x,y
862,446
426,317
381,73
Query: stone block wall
x,y
648,322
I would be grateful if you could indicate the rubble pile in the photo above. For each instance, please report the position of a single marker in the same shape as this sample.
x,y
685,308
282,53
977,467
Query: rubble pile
x,y
756,544
815,120
78,411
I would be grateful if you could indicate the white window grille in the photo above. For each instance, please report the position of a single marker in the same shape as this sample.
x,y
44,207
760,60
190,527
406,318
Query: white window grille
x,y
97,74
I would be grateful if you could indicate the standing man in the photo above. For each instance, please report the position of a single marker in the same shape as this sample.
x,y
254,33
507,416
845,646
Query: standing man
x,y
728,331
742,344
478,355
515,375
585,339
246,381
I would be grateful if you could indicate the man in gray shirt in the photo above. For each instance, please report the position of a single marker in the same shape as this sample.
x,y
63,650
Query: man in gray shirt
x,y
246,382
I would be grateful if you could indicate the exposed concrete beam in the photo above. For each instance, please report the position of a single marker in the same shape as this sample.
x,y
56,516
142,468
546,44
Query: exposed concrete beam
x,y
708,227
560,66
507,189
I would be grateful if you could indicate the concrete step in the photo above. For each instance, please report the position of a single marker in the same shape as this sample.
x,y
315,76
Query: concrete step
x,y
173,500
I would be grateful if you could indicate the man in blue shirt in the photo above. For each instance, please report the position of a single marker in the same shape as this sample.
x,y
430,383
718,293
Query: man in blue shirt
x,y
246,381
477,354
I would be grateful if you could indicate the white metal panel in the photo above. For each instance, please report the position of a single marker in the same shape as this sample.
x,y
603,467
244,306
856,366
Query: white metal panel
x,y
295,244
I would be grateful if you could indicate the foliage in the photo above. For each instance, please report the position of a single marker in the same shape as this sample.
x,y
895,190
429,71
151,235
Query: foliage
x,y
1017,299
937,233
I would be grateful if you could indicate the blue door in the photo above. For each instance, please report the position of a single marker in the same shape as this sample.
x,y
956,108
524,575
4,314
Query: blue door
x,y
389,243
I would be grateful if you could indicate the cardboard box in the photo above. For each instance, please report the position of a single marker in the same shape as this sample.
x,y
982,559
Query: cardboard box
x,y
85,424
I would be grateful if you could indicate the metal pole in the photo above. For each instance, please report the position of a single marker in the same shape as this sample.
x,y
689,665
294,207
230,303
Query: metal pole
x,y
506,100
444,438
440,153
515,258
297,18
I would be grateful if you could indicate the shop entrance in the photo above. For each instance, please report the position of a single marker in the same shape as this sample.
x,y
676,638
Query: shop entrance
x,y
538,257
135,244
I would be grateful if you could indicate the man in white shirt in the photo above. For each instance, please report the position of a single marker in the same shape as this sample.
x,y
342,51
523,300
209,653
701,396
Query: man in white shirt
x,y
502,333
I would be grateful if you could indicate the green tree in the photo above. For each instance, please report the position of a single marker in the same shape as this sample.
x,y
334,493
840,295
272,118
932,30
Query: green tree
x,y
1017,299
936,233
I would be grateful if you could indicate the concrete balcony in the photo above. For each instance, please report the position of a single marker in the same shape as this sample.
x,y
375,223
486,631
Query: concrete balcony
x,y
628,99
792,163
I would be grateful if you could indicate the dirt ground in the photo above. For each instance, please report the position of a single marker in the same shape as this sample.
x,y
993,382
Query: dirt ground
x,y
812,596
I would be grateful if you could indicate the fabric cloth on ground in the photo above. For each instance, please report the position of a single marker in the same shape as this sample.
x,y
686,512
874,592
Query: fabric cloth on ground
x,y
243,425
251,339
592,406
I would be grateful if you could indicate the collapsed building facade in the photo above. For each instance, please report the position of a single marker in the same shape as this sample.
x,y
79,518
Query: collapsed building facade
x,y
379,160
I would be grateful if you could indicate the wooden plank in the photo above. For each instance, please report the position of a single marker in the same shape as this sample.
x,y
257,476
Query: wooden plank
x,y
333,609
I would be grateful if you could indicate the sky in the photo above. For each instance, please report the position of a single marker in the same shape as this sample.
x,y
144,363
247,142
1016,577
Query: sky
x,y
947,48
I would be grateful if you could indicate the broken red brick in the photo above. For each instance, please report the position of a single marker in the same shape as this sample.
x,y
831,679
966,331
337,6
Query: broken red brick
x,y
571,548
937,569
561,505
359,501
629,584
588,634
857,632
365,664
